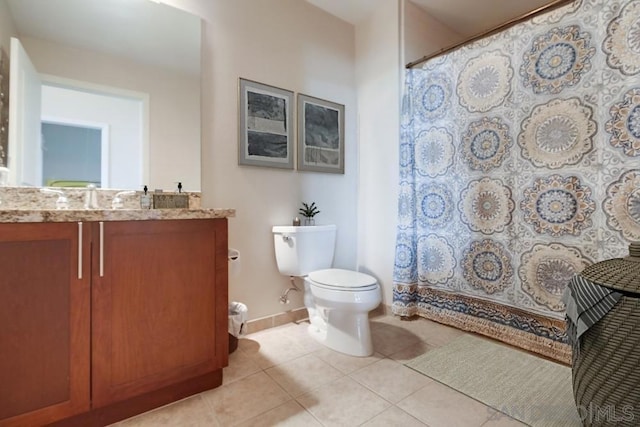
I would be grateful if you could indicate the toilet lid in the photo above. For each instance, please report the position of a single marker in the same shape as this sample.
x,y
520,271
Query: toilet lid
x,y
336,278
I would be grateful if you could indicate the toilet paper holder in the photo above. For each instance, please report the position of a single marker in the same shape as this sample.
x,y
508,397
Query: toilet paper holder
x,y
233,254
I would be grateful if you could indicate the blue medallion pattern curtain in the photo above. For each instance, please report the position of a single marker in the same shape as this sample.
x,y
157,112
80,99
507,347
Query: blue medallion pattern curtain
x,y
519,166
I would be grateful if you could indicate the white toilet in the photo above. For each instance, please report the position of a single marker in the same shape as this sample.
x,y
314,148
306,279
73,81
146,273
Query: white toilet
x,y
338,301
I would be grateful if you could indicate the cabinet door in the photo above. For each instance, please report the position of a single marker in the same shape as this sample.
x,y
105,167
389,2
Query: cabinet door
x,y
159,307
44,322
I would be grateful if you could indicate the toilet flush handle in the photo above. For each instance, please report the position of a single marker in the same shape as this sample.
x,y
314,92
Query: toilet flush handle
x,y
286,238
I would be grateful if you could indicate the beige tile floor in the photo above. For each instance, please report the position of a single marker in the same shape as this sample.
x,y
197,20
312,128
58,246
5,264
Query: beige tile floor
x,y
282,377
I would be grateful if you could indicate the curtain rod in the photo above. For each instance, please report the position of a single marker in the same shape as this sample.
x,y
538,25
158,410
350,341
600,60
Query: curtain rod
x,y
502,27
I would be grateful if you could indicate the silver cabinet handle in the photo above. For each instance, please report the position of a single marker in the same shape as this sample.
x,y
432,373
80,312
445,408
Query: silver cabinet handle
x,y
101,249
80,250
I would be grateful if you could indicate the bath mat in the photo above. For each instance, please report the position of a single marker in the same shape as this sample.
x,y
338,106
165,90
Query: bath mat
x,y
530,389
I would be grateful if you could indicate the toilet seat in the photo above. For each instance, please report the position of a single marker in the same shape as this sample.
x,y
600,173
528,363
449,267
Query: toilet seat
x,y
342,280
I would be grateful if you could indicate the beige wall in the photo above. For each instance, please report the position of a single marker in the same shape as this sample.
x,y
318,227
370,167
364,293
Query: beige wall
x,y
398,32
378,82
422,34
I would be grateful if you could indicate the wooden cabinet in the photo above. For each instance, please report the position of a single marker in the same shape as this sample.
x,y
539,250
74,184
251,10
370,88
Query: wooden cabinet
x,y
155,306
133,318
44,322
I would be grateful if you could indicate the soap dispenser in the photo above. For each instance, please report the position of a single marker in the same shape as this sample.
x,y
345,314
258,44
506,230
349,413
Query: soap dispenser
x,y
145,199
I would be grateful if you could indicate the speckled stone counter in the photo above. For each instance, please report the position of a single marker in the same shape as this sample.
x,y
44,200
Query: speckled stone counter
x,y
46,215
28,204
33,198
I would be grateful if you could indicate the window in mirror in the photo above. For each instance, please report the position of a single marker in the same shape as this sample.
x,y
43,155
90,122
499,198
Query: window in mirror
x,y
121,119
71,155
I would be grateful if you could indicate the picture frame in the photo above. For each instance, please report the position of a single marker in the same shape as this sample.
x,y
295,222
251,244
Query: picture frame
x,y
320,145
265,125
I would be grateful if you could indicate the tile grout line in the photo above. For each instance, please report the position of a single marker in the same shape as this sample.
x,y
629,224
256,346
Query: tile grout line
x,y
343,374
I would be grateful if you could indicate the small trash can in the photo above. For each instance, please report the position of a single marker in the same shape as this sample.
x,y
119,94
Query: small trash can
x,y
237,320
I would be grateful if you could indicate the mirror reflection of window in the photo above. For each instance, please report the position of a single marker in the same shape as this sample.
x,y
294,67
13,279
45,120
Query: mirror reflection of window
x,y
119,117
71,155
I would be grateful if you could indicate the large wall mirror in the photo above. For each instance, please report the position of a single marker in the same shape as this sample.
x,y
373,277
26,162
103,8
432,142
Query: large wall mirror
x,y
102,91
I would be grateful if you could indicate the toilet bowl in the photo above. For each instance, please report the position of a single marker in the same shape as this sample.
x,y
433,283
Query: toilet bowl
x,y
338,301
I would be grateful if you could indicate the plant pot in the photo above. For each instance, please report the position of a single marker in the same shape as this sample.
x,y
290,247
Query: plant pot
x,y
309,221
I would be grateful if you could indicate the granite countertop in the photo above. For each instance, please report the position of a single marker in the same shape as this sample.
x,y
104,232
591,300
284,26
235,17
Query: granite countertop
x,y
53,215
29,204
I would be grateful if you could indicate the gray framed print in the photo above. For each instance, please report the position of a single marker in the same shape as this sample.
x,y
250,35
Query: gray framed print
x,y
265,132
320,135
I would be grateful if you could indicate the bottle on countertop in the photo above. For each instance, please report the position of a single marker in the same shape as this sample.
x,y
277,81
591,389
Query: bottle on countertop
x,y
145,199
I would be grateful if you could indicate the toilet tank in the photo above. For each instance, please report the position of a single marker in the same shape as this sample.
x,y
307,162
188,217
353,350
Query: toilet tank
x,y
301,250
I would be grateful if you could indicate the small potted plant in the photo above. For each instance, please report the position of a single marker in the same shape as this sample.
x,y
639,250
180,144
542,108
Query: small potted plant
x,y
308,212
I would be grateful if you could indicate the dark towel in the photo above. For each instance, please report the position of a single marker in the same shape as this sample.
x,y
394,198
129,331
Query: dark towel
x,y
586,302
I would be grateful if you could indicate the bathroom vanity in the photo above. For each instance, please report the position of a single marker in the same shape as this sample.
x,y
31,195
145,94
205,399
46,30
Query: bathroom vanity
x,y
106,314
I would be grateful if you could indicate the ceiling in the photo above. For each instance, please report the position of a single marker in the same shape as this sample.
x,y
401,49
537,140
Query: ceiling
x,y
465,17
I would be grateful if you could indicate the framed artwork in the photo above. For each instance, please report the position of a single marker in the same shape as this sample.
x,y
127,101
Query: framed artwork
x,y
265,133
320,135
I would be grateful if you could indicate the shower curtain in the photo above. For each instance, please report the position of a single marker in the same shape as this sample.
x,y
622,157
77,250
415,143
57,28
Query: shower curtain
x,y
519,166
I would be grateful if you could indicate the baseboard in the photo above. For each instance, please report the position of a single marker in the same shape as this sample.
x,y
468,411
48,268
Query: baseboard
x,y
279,319
295,316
